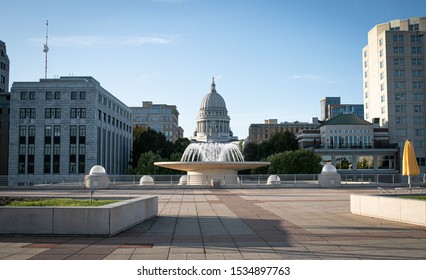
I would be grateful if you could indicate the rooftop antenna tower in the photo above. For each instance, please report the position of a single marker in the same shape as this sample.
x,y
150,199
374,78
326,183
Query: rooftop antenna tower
x,y
45,50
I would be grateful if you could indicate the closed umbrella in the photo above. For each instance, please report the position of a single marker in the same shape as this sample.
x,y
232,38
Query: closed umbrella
x,y
409,162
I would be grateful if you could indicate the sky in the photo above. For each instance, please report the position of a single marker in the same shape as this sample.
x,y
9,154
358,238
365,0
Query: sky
x,y
271,59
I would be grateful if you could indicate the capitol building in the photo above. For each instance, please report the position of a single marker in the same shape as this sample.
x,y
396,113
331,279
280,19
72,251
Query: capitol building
x,y
213,120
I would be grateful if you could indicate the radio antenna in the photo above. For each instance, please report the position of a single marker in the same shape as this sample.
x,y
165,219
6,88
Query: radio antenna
x,y
45,50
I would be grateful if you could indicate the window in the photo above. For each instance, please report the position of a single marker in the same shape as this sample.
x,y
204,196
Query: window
x,y
398,38
380,41
381,64
52,113
398,50
417,73
365,162
32,95
416,61
418,85
416,50
382,98
419,132
73,95
399,84
78,113
400,96
401,120
57,96
417,38
48,96
27,113
383,109
421,161
413,27
418,96
382,87
386,161
82,95
400,108
398,61
418,108
399,73
419,120
382,75
381,52
23,95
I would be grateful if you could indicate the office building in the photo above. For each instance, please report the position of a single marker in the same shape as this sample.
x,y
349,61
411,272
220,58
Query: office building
x,y
331,107
4,132
61,128
160,117
324,105
394,81
262,132
352,145
4,68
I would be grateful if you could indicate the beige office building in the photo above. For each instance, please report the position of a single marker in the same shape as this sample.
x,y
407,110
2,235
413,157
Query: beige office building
x,y
394,81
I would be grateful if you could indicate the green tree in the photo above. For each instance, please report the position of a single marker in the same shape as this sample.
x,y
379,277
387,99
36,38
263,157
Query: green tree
x,y
146,164
294,162
145,140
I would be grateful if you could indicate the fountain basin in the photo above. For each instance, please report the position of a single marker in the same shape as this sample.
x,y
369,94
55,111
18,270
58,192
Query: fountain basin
x,y
201,173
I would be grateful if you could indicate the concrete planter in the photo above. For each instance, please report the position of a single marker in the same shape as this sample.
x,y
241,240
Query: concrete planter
x,y
104,220
390,207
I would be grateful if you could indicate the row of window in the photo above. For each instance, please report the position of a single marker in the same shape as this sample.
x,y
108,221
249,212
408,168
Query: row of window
x,y
399,38
403,108
53,95
401,50
400,85
113,106
397,61
52,113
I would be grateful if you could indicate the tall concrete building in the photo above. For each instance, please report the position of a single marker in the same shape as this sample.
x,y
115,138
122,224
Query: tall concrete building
x,y
60,128
4,68
4,110
160,117
394,81
4,132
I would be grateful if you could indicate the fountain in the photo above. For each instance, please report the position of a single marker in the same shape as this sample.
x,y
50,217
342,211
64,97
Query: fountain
x,y
213,156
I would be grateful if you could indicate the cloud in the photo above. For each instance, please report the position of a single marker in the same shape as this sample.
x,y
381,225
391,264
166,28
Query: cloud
x,y
95,41
305,77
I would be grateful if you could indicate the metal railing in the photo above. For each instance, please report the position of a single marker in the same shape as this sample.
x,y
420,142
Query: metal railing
x,y
242,179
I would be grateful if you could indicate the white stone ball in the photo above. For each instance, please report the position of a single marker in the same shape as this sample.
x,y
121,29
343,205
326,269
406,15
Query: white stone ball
x,y
328,168
146,180
97,170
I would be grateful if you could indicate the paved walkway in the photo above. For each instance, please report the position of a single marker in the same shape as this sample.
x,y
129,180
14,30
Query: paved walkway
x,y
290,223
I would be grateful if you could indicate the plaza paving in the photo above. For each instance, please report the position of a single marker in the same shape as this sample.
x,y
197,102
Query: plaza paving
x,y
216,224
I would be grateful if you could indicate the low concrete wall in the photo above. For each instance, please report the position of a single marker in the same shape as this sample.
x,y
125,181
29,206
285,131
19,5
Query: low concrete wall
x,y
390,207
104,220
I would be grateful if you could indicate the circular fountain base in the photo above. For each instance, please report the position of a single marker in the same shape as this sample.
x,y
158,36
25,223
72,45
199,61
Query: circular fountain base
x,y
202,173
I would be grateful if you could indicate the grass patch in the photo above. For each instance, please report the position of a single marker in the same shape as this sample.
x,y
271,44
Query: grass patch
x,y
55,202
420,197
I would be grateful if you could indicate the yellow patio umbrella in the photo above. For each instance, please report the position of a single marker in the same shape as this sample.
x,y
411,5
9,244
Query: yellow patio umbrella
x,y
409,162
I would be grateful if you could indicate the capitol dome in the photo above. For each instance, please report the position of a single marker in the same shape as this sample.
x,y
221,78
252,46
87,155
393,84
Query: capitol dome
x,y
213,101
213,119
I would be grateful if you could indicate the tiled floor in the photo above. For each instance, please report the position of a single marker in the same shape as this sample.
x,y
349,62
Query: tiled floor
x,y
198,224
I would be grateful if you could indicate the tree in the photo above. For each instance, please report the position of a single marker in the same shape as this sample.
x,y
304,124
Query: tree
x,y
146,164
295,162
279,142
145,140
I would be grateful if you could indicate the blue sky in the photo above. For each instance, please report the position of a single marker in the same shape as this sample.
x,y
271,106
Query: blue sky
x,y
271,59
